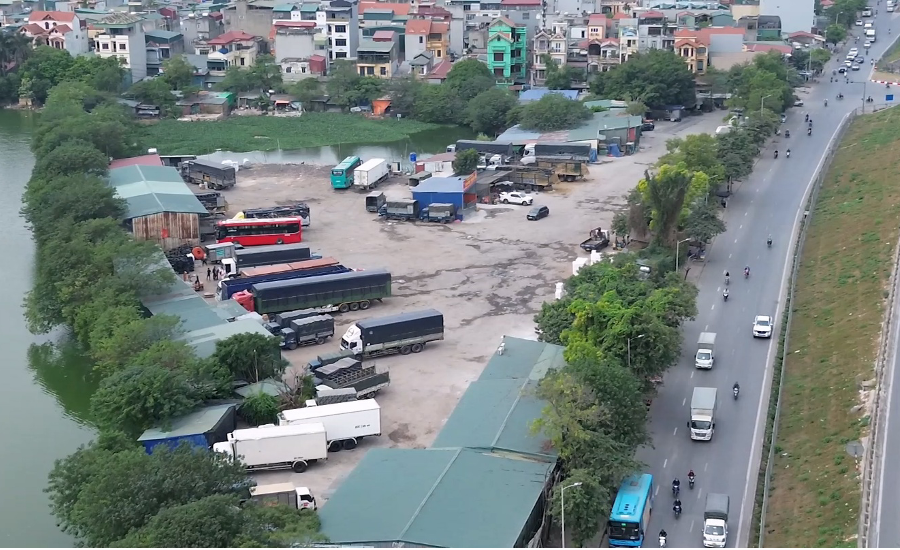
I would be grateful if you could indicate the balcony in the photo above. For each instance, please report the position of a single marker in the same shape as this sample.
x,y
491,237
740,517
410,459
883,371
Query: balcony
x,y
373,59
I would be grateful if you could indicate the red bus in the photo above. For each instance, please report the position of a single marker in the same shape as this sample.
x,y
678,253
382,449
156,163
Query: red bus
x,y
259,231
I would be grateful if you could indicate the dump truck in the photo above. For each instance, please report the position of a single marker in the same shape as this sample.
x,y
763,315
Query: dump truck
x,y
300,498
279,272
439,213
525,178
346,424
598,240
706,350
715,521
404,333
340,292
214,175
271,447
703,414
349,373
400,209
371,173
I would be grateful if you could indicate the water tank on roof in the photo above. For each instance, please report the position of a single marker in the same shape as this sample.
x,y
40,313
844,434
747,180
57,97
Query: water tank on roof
x,y
412,157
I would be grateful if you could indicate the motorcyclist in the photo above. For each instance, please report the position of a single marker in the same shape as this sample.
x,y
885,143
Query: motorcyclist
x,y
809,131
676,486
826,103
662,538
736,388
807,117
727,277
725,294
776,153
691,477
676,506
787,133
747,271
769,241
788,153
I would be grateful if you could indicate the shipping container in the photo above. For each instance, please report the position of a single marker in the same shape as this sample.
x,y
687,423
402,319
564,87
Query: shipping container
x,y
345,423
229,287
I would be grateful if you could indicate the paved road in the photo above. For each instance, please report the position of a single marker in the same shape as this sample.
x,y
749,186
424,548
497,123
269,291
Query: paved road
x,y
768,202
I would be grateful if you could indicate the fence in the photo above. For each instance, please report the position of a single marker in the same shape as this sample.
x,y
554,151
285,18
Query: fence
x,y
778,375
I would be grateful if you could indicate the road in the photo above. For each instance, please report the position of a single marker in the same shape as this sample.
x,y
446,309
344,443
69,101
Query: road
x,y
768,202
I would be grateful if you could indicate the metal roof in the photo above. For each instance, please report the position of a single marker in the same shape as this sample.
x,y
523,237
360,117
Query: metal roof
x,y
444,498
204,340
198,422
162,35
535,94
367,45
152,190
268,386
439,185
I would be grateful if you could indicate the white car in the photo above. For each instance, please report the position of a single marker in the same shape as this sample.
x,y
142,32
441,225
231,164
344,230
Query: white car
x,y
853,52
516,197
867,45
762,326
854,67
859,23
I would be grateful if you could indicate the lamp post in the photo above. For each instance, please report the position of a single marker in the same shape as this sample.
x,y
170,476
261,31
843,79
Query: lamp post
x,y
563,506
677,245
638,337
762,102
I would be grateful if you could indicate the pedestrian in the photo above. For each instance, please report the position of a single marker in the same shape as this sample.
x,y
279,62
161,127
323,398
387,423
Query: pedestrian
x,y
184,276
208,273
216,275
723,203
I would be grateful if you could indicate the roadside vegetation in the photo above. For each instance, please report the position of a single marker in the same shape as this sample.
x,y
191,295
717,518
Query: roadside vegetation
x,y
837,317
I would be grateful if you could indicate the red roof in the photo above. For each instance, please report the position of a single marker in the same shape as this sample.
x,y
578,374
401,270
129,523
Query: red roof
x,y
803,34
168,13
317,57
440,27
520,2
768,48
383,36
432,11
621,15
398,9
58,16
33,29
229,37
143,160
61,29
597,19
655,14
418,26
440,70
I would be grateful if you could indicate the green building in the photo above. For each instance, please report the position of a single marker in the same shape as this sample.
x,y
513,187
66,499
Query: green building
x,y
507,52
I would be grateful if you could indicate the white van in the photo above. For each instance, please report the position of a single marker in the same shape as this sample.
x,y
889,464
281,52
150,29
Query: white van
x,y
868,25
870,35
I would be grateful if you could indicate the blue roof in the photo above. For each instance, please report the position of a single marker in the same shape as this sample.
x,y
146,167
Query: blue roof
x,y
535,94
440,185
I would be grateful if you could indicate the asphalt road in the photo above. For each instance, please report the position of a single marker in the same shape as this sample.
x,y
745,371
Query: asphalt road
x,y
768,202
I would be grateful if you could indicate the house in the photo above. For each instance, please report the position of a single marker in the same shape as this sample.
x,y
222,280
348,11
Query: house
x,y
796,15
253,17
628,38
603,55
439,73
206,103
762,28
232,49
693,50
806,39
162,46
200,27
294,46
698,20
421,64
697,46
58,29
377,58
122,36
506,52
598,25
342,28
655,32
548,44
200,428
427,36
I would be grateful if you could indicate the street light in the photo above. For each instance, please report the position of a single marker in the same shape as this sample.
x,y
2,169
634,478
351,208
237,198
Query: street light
x,y
677,256
638,337
763,102
563,504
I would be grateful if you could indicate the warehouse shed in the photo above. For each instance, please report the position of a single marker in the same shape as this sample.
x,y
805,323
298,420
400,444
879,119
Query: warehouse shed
x,y
453,190
161,207
200,428
204,341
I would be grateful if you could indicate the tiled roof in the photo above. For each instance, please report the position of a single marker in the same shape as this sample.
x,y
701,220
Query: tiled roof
x,y
768,48
440,27
441,70
621,15
61,29
120,19
33,29
398,8
229,37
800,34
383,36
651,13
58,16
418,26
597,19
505,20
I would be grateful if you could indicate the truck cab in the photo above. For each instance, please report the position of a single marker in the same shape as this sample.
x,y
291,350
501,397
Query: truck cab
x,y
706,350
715,521
352,340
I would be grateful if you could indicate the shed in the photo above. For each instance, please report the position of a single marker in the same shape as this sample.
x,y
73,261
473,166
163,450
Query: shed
x,y
200,428
180,300
268,386
204,340
440,190
161,208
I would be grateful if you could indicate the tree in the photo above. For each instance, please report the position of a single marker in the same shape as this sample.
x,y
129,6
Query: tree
x,y
657,78
114,343
74,156
438,105
77,197
553,319
736,152
306,90
14,49
45,68
154,91
636,108
703,223
279,527
260,408
403,92
665,193
465,162
265,74
468,78
250,357
488,111
178,73
560,78
818,58
552,112
104,74
211,522
699,153
237,79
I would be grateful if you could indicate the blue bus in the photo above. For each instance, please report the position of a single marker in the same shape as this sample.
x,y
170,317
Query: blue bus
x,y
342,174
630,516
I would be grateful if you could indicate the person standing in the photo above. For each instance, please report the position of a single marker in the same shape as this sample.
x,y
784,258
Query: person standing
x,y
208,273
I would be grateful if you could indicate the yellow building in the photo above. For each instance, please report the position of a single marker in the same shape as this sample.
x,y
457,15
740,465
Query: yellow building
x,y
377,57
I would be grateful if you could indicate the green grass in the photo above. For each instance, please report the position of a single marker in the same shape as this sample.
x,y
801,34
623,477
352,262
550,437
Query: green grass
x,y
837,316
267,133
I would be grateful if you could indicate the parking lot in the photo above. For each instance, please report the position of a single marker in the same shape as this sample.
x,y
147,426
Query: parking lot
x,y
488,275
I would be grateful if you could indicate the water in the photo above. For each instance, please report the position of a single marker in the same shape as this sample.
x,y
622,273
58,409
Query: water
x,y
424,144
43,398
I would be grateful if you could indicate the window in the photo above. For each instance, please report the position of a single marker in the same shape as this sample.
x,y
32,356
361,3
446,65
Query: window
x,y
287,69
340,28
595,30
104,46
421,39
370,71
526,15
242,62
438,53
342,42
383,71
362,71
123,47
340,55
498,57
542,44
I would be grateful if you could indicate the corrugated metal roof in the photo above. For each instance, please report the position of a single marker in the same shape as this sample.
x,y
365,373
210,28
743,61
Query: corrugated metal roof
x,y
204,340
439,185
161,35
535,94
153,189
445,498
267,386
517,136
197,422
367,45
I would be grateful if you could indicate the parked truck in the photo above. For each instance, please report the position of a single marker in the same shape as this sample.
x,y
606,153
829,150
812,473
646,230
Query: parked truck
x,y
438,212
327,396
598,240
706,350
300,498
266,255
303,332
400,209
565,167
404,333
371,173
715,521
271,447
525,178
703,414
328,359
281,272
292,210
349,373
374,201
346,424
214,175
341,292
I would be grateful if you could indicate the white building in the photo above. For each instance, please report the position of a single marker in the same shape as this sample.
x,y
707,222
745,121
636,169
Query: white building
x,y
342,28
796,15
58,29
123,37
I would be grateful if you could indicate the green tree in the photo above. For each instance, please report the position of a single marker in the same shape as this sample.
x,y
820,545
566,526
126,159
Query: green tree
x,y
237,79
178,73
115,343
665,193
45,68
260,408
15,48
468,78
465,162
699,153
403,92
657,78
703,223
438,104
279,527
154,91
488,111
211,522
306,90
342,82
74,156
552,112
105,74
585,505
818,58
560,78
636,108
266,74
736,152
77,197
553,319
250,357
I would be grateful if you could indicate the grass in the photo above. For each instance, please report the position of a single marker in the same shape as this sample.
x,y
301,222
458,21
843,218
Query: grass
x,y
837,316
892,55
267,133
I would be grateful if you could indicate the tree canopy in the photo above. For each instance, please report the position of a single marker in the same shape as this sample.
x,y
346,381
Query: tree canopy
x,y
657,78
551,112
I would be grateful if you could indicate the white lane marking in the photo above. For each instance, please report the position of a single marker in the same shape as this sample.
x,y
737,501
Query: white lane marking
x,y
692,375
713,307
692,525
665,462
699,493
684,402
705,466
656,492
675,432
705,328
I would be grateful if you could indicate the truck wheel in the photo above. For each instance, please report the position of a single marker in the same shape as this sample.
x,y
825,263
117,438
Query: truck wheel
x,y
354,306
416,348
334,446
343,308
279,241
405,350
370,395
293,346
364,304
349,444
299,467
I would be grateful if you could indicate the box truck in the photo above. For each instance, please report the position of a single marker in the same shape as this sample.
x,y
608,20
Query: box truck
x,y
401,209
300,498
346,424
715,521
404,333
371,173
706,350
273,447
339,292
303,332
703,412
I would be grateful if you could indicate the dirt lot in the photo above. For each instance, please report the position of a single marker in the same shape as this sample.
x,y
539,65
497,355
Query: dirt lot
x,y
488,275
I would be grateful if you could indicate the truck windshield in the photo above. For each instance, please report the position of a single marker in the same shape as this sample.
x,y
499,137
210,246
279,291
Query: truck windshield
x,y
703,356
700,424
714,530
619,530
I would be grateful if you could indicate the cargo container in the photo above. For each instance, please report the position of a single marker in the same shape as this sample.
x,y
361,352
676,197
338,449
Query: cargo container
x,y
370,174
349,373
404,333
400,209
266,255
346,424
339,292
229,287
270,447
299,498
214,175
326,396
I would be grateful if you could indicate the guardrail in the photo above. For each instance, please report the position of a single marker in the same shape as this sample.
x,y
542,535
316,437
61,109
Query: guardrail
x,y
774,414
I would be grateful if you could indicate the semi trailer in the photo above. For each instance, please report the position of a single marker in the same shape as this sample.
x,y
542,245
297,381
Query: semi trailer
x,y
271,447
280,272
214,175
346,424
338,292
404,333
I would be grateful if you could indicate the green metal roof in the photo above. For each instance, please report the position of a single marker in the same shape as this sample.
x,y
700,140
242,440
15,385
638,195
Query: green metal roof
x,y
200,421
283,7
443,498
370,46
204,340
153,189
166,36
309,8
602,122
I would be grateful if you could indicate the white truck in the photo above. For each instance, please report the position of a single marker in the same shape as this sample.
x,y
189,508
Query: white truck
x,y
706,350
370,173
715,521
273,447
703,412
300,498
346,424
403,333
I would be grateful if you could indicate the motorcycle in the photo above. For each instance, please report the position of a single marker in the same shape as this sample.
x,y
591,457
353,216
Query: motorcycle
x,y
826,102
788,153
839,96
691,481
787,133
676,489
736,391
725,295
769,242
776,154
809,131
747,273
662,542
677,510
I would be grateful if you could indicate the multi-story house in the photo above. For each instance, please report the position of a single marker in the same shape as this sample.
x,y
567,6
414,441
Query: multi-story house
x,y
796,15
611,8
507,51
253,17
378,56
548,43
232,49
603,55
628,38
295,12
122,36
427,36
198,28
655,32
58,29
297,50
691,47
162,46
341,20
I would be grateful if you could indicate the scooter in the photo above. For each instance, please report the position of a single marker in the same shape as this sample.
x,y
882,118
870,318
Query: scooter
x,y
809,131
776,154
787,133
725,295
662,542
736,391
691,481
677,510
769,242
788,153
746,273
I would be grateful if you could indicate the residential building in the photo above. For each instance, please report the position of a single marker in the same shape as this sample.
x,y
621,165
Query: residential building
x,y
296,12
427,36
806,39
253,17
161,46
748,8
378,57
58,29
471,18
655,32
696,21
795,15
598,27
693,50
421,65
9,10
603,55
384,16
611,8
547,44
439,73
197,28
341,19
697,47
122,36
506,51
628,38
232,49
763,28
295,49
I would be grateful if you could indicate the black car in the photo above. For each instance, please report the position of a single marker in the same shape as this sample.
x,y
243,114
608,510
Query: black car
x,y
648,126
538,212
842,70
859,59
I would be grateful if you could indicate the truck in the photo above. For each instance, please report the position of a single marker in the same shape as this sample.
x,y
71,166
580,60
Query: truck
x,y
349,373
370,173
438,212
328,359
566,168
303,332
346,424
340,292
598,240
703,414
292,210
271,447
214,175
715,521
706,350
284,319
327,396
404,333
400,209
267,255
281,272
299,498
374,201
525,178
